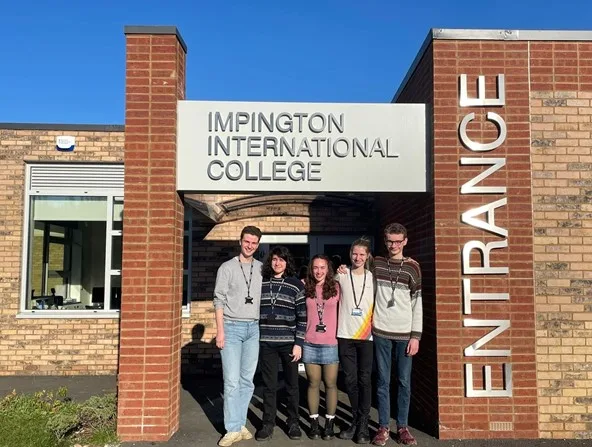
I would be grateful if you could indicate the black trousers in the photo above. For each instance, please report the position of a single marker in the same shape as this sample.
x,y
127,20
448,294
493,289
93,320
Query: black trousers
x,y
269,354
356,358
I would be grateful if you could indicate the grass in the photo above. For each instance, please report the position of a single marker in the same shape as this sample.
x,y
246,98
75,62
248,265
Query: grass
x,y
52,419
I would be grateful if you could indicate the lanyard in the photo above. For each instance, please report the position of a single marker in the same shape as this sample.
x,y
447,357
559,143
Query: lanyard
x,y
356,302
272,299
320,307
394,284
248,283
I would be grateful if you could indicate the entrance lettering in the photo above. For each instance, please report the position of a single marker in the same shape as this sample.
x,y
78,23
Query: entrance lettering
x,y
485,250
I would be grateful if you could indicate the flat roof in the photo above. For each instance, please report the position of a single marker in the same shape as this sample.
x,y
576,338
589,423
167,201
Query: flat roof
x,y
148,29
507,34
491,34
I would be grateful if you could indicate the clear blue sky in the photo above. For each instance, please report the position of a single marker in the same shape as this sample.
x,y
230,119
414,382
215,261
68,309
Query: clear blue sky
x,y
63,61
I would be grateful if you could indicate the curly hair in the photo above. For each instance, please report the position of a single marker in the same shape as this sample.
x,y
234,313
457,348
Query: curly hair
x,y
281,252
330,285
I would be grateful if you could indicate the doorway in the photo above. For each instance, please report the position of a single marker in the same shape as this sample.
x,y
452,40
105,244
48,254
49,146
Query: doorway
x,y
303,247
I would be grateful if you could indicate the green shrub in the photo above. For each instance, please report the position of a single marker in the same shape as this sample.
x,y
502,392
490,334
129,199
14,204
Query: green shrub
x,y
52,419
99,411
24,418
65,421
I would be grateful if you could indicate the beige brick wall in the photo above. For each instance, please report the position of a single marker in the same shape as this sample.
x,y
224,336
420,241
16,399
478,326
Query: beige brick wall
x,y
46,346
561,149
90,346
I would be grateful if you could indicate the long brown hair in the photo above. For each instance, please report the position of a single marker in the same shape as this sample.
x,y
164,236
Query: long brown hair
x,y
364,242
330,285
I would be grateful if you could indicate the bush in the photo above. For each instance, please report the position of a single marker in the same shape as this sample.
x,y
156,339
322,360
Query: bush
x,y
52,419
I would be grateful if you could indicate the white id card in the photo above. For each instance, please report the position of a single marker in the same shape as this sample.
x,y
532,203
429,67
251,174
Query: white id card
x,y
357,312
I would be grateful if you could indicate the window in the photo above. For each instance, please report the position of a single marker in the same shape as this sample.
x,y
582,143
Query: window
x,y
74,216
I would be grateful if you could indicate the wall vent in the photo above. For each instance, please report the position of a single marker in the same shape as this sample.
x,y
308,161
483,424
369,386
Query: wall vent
x,y
501,426
75,176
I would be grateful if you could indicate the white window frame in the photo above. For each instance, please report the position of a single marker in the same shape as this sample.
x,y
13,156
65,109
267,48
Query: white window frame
x,y
111,195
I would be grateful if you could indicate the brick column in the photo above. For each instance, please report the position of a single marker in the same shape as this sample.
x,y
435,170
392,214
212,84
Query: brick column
x,y
152,272
463,416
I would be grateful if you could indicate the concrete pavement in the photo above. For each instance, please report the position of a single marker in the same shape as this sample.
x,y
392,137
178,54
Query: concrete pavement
x,y
202,418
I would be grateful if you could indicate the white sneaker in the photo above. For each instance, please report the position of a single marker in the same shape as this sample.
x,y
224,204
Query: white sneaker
x,y
230,438
245,433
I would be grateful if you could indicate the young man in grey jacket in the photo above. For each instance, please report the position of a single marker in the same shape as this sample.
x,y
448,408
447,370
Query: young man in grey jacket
x,y
237,298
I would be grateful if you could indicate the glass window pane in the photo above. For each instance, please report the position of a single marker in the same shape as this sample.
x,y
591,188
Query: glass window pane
x,y
36,276
52,208
67,261
58,261
116,253
115,292
117,215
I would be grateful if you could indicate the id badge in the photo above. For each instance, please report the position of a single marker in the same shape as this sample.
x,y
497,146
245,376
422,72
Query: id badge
x,y
321,328
356,312
391,303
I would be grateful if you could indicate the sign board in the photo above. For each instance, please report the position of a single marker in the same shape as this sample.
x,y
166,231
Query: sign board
x,y
304,147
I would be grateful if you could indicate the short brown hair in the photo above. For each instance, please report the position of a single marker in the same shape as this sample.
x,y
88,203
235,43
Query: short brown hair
x,y
395,228
252,230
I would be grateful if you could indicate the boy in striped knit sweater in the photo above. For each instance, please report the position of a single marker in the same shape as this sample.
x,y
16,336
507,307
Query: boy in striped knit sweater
x,y
282,323
396,327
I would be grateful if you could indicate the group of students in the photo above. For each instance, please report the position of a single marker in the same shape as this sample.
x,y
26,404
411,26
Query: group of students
x,y
369,312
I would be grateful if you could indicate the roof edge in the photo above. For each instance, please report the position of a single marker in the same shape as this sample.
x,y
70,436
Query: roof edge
x,y
489,34
418,57
508,34
66,127
159,30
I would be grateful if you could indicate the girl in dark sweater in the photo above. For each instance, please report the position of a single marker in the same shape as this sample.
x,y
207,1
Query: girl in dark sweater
x,y
282,324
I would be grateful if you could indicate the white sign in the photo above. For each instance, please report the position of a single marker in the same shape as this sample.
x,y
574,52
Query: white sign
x,y
306,147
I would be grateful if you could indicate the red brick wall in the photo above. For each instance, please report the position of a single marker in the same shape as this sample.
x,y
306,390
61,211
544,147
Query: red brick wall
x,y
150,343
416,212
471,417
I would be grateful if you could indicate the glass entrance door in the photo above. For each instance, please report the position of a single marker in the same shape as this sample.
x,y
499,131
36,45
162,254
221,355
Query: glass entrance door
x,y
303,247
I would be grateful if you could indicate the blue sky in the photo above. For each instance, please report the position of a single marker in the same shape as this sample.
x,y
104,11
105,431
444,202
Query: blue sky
x,y
63,61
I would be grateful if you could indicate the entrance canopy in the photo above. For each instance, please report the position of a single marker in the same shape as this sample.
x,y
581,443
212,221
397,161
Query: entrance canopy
x,y
305,147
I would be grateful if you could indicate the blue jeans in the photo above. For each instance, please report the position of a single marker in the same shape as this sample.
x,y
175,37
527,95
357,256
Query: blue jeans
x,y
239,362
384,354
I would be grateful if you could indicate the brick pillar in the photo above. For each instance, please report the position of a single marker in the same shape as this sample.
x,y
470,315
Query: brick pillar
x,y
152,275
463,416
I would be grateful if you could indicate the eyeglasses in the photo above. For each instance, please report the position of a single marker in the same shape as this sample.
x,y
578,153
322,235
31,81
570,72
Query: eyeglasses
x,y
389,242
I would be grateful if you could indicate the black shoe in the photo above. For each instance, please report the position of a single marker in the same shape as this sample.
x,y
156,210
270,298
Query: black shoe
x,y
329,432
294,430
349,432
362,433
315,430
265,433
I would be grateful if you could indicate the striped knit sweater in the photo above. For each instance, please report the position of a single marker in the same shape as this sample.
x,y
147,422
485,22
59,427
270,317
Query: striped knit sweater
x,y
285,322
403,320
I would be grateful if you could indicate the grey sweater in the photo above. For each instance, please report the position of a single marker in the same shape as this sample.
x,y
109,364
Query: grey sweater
x,y
231,290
